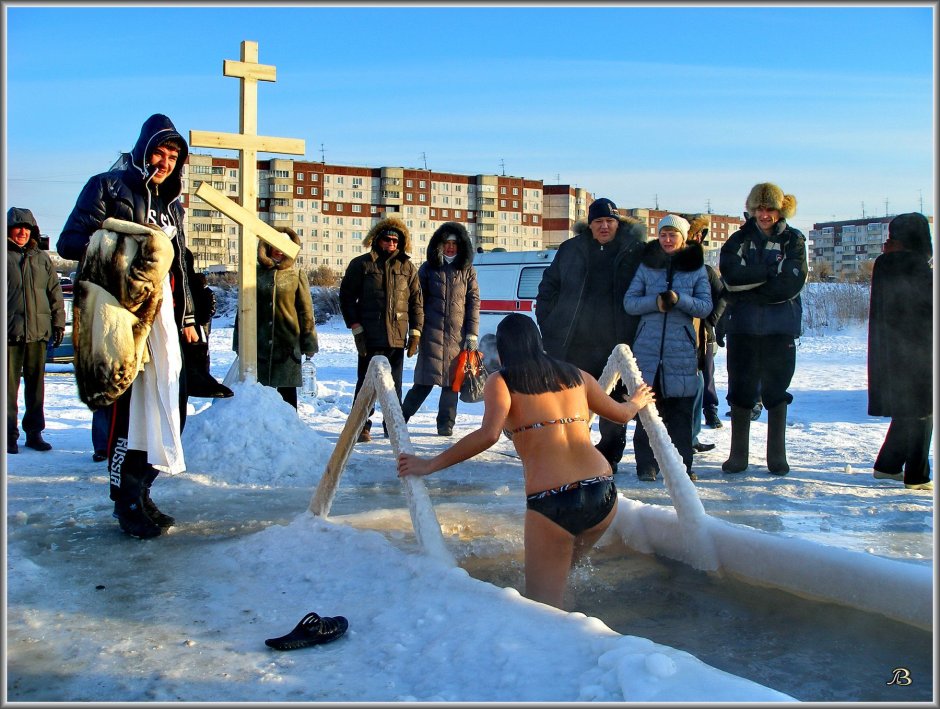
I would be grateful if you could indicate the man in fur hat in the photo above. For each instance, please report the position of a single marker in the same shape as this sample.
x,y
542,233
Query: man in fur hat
x,y
143,187
35,314
380,298
764,268
579,306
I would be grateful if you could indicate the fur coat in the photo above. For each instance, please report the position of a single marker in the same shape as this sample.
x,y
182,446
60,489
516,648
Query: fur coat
x,y
118,295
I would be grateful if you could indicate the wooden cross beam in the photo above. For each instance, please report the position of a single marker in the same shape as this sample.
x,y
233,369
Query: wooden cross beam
x,y
248,144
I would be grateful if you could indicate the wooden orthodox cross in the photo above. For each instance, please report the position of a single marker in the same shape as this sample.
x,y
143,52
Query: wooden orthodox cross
x,y
248,144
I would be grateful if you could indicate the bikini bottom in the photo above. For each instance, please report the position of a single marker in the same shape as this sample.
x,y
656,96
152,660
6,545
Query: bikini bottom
x,y
577,506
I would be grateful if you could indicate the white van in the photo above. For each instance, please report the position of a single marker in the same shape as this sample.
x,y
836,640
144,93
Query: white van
x,y
509,282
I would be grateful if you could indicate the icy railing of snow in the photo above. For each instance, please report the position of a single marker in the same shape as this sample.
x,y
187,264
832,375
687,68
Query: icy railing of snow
x,y
378,383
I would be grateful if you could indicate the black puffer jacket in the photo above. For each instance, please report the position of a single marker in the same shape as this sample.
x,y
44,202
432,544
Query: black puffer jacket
x,y
383,294
123,193
764,277
451,305
560,302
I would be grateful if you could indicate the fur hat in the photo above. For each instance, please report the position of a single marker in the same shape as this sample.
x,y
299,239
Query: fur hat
x,y
767,194
913,231
602,207
675,222
393,224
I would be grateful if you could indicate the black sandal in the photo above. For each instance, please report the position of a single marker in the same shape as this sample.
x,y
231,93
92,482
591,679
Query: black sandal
x,y
312,630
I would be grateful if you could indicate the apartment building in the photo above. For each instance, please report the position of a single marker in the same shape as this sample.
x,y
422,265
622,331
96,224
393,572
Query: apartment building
x,y
845,249
563,205
332,208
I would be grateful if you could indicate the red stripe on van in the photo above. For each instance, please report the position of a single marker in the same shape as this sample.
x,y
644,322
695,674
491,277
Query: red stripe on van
x,y
507,306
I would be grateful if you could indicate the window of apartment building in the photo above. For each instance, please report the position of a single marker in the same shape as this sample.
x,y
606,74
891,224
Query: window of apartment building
x,y
314,192
445,199
456,214
326,220
314,177
221,185
299,203
357,236
409,183
299,218
424,225
535,218
409,197
339,179
410,223
502,190
282,188
423,210
421,184
356,221
299,176
357,208
357,182
357,195
444,213
433,212
326,247
281,173
326,192
300,232
314,205
200,169
218,170
339,248
339,207
300,190
515,204
281,216
421,198
232,187
340,194
502,203
515,191
373,209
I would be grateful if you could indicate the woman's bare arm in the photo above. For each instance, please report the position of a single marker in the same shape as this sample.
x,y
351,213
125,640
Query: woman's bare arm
x,y
603,405
496,402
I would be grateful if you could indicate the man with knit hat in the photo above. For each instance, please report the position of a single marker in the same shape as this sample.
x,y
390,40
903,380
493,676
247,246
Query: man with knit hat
x,y
35,315
764,267
579,307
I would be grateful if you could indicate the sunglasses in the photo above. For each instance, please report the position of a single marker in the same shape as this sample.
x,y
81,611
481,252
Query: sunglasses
x,y
389,239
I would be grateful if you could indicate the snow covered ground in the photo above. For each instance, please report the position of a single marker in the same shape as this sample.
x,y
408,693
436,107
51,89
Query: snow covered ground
x,y
94,616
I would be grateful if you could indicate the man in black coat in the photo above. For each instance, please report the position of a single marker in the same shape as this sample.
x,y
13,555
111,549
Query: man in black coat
x,y
579,306
900,340
144,187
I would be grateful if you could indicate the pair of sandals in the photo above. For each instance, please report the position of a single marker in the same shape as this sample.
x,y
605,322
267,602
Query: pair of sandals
x,y
311,630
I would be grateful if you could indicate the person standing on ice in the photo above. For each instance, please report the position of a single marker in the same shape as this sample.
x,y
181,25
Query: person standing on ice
x,y
900,340
286,326
579,306
543,405
35,315
669,291
380,298
144,187
763,266
451,299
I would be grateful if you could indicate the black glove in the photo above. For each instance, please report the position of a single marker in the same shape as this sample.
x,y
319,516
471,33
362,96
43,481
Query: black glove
x,y
470,342
668,299
57,334
772,271
413,339
359,335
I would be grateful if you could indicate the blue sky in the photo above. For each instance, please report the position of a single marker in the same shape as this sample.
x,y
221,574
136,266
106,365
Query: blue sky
x,y
686,107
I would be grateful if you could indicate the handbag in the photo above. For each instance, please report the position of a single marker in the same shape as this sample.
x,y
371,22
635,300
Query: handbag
x,y
470,376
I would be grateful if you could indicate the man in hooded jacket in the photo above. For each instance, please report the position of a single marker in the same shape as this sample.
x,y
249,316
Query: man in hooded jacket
x,y
380,298
144,187
35,314
579,306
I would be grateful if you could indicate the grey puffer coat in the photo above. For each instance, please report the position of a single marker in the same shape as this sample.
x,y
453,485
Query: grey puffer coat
x,y
286,326
34,297
666,342
451,306
383,294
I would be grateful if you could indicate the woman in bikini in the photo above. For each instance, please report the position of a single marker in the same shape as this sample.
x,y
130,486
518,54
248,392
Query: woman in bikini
x,y
543,404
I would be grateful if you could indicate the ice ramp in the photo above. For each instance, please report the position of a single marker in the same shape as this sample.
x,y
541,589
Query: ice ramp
x,y
895,589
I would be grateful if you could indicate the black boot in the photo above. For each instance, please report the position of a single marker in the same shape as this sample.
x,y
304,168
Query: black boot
x,y
34,440
711,417
740,439
162,520
134,521
777,440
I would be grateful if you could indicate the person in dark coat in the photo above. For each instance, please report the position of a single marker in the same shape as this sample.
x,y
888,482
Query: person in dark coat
x,y
706,400
286,324
579,306
763,266
35,315
199,380
144,187
451,299
668,293
900,340
380,298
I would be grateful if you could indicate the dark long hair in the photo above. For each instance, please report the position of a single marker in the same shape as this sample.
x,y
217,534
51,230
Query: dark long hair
x,y
525,367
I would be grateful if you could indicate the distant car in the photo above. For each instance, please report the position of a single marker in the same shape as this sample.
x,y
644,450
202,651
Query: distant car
x,y
66,284
64,353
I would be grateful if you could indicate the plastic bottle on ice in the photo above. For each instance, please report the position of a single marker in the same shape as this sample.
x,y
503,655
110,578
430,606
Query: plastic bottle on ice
x,y
309,373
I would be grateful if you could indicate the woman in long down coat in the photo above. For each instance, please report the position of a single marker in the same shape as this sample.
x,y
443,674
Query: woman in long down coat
x,y
286,325
669,291
451,320
900,341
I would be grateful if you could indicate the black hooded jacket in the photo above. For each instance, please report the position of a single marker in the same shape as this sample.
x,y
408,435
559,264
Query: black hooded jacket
x,y
124,193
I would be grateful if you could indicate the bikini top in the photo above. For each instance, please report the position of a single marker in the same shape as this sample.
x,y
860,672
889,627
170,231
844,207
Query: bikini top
x,y
543,424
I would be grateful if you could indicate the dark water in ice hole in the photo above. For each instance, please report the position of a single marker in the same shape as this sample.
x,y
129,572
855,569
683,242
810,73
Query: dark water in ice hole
x,y
813,651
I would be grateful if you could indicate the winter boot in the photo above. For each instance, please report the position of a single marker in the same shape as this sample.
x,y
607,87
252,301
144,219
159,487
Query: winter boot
x,y
134,521
711,417
776,440
35,441
740,438
162,520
